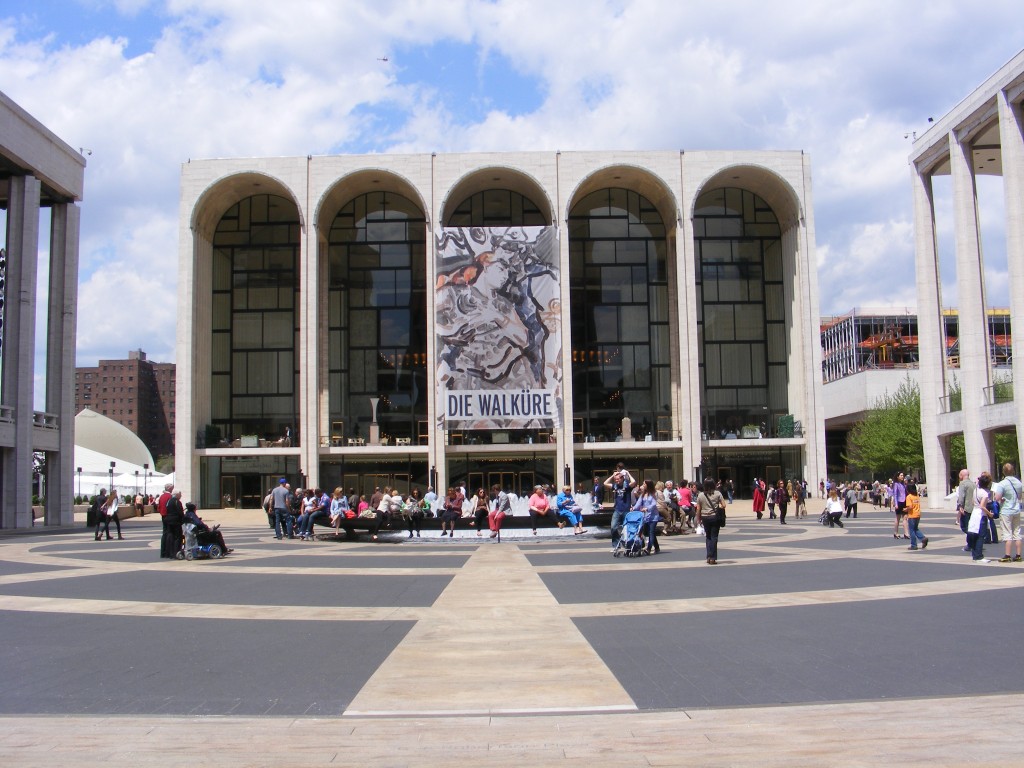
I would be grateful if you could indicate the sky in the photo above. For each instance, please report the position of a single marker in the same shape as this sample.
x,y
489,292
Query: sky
x,y
142,86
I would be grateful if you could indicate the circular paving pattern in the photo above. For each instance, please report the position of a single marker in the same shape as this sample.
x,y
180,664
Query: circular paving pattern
x,y
548,626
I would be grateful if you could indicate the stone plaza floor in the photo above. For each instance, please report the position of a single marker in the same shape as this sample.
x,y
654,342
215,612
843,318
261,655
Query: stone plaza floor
x,y
804,646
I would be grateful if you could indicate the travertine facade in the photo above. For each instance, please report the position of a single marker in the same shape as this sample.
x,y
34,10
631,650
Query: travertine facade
x,y
38,171
686,434
982,135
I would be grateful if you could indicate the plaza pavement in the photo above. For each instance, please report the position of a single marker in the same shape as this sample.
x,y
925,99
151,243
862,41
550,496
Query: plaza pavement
x,y
804,646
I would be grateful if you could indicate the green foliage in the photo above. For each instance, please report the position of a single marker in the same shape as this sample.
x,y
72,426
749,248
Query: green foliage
x,y
1005,448
165,463
889,439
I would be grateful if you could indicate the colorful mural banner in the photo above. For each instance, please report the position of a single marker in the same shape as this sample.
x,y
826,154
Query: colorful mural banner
x,y
498,339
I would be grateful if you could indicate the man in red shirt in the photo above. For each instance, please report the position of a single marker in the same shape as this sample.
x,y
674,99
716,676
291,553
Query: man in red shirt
x,y
167,548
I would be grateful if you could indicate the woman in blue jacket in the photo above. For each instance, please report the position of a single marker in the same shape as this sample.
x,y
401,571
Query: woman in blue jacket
x,y
647,503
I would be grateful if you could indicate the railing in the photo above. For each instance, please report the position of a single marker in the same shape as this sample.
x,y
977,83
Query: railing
x,y
45,420
1000,392
951,403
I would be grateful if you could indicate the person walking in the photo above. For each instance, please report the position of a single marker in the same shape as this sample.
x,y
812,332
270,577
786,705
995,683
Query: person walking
x,y
108,512
851,499
769,501
759,498
782,501
1008,493
913,508
710,508
899,506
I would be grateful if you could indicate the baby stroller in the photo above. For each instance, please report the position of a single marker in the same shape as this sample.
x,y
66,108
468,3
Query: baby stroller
x,y
631,540
200,544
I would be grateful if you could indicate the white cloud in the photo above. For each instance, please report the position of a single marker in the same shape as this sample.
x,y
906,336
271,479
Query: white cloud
x,y
262,77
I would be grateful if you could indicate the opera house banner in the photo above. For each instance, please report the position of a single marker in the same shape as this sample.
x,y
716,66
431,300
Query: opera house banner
x,y
498,330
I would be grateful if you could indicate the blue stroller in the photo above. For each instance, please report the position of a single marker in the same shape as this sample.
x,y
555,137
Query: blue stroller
x,y
631,539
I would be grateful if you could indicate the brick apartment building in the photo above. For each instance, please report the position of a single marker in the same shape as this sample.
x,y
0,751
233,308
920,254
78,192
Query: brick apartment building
x,y
137,393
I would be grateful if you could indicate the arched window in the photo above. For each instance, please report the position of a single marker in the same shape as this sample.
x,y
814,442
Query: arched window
x,y
741,312
254,325
620,313
376,315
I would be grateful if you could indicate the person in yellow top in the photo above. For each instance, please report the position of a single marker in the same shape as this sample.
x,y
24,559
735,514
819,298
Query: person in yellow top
x,y
913,510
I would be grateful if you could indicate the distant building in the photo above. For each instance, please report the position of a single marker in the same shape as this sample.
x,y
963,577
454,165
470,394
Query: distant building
x,y
136,393
868,353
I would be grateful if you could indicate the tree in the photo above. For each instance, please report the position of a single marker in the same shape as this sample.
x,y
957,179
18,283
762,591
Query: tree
x,y
165,463
889,438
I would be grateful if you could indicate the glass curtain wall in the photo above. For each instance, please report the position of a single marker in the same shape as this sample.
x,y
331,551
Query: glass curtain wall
x,y
620,315
377,336
741,315
254,326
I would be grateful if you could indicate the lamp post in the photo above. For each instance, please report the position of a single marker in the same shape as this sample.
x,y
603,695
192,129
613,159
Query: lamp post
x,y
136,482
112,465
79,469
145,480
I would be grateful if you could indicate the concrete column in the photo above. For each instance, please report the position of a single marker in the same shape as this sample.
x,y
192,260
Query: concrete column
x,y
932,337
806,306
686,343
1011,139
19,346
60,360
975,359
308,312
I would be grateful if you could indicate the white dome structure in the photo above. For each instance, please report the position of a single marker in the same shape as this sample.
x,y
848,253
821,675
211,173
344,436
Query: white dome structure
x,y
104,439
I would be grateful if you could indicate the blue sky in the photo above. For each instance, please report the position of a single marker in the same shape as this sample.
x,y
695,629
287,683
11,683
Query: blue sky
x,y
147,84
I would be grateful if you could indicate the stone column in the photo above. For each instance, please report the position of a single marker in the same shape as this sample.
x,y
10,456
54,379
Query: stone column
x,y
19,346
60,360
975,358
931,335
1011,139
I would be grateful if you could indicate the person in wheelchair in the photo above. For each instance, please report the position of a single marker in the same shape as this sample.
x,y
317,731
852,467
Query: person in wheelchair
x,y
191,516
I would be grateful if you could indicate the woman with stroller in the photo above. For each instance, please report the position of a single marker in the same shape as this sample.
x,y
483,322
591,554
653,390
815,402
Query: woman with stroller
x,y
710,507
647,503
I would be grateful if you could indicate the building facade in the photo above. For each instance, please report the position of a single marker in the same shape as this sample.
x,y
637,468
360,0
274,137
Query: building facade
x,y
136,393
511,318
983,134
37,171
868,353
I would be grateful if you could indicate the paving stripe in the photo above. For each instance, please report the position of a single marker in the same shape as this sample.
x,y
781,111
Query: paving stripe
x,y
495,641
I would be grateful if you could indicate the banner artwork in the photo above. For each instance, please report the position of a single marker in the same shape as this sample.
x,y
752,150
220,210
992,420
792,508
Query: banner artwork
x,y
499,336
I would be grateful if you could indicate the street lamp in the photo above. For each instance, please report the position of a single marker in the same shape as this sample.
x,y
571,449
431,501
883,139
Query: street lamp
x,y
136,482
112,465
145,479
79,482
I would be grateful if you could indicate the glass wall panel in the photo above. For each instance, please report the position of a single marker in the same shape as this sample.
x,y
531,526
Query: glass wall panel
x,y
255,279
620,314
741,315
377,329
